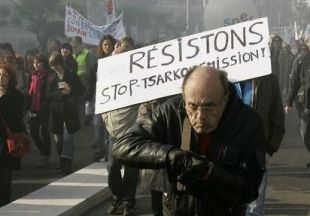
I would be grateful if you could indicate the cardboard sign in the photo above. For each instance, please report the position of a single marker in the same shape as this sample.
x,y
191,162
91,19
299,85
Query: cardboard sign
x,y
157,70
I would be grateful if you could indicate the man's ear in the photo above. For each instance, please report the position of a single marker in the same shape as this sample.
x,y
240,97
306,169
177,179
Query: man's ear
x,y
226,97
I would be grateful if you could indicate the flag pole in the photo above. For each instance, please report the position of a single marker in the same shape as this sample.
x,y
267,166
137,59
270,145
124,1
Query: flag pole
x,y
187,16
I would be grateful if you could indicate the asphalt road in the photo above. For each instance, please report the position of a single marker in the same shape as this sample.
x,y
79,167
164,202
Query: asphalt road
x,y
288,191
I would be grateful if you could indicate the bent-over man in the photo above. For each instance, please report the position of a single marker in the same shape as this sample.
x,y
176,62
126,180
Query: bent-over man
x,y
210,143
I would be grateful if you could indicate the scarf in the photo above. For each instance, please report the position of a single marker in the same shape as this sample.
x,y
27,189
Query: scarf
x,y
35,90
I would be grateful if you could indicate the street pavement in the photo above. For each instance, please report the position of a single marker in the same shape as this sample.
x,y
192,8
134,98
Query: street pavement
x,y
32,177
288,191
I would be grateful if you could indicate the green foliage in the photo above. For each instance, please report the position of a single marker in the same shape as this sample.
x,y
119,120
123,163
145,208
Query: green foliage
x,y
4,13
148,17
15,20
38,16
45,18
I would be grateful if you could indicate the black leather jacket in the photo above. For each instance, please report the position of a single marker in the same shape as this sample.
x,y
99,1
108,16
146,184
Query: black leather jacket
x,y
237,151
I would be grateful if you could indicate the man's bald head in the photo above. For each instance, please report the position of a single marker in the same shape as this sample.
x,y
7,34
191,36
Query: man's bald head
x,y
204,75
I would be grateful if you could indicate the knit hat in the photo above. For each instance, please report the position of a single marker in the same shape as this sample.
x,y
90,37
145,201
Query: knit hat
x,y
67,46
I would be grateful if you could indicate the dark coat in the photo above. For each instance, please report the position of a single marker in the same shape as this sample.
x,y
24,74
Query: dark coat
x,y
64,108
92,79
237,151
11,108
70,64
299,85
269,105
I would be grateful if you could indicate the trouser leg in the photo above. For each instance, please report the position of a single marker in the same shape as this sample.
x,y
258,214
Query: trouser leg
x,y
115,181
256,208
5,185
130,183
34,126
99,138
46,135
157,203
305,133
59,143
68,145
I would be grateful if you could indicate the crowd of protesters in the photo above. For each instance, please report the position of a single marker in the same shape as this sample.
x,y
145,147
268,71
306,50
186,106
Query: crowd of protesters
x,y
52,92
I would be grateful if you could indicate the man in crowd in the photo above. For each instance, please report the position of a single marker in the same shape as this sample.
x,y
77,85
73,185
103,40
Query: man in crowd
x,y
212,147
299,87
52,45
85,62
263,95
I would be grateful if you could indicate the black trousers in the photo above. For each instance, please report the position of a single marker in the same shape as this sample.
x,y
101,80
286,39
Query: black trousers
x,y
304,125
157,202
5,185
122,187
39,130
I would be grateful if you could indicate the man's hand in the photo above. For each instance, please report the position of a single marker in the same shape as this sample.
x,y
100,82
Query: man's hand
x,y
189,167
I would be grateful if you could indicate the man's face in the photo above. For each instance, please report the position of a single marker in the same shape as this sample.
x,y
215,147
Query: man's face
x,y
75,44
277,43
204,105
303,50
52,46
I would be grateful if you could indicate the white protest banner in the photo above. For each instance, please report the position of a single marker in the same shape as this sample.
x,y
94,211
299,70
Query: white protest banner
x,y
157,71
77,25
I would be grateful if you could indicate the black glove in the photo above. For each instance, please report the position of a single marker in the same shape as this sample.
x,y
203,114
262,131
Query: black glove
x,y
189,167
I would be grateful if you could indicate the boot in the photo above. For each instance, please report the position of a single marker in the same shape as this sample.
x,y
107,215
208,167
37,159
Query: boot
x,y
67,169
61,164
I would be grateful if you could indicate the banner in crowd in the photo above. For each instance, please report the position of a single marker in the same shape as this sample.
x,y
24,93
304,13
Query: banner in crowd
x,y
77,25
157,70
285,32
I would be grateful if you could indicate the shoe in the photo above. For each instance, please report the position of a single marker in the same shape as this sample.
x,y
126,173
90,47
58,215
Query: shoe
x,y
61,164
308,168
128,211
116,208
44,162
96,158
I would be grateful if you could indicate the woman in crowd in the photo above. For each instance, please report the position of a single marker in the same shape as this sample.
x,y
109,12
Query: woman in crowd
x,y
28,63
70,63
100,147
11,110
39,107
64,91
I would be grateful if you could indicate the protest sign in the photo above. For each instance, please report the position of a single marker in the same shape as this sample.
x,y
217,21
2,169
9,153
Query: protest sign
x,y
77,25
157,70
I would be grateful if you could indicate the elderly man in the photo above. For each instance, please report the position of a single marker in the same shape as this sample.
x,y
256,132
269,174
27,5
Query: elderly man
x,y
212,147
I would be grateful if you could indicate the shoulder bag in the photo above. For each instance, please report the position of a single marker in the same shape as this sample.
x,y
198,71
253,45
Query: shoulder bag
x,y
18,143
